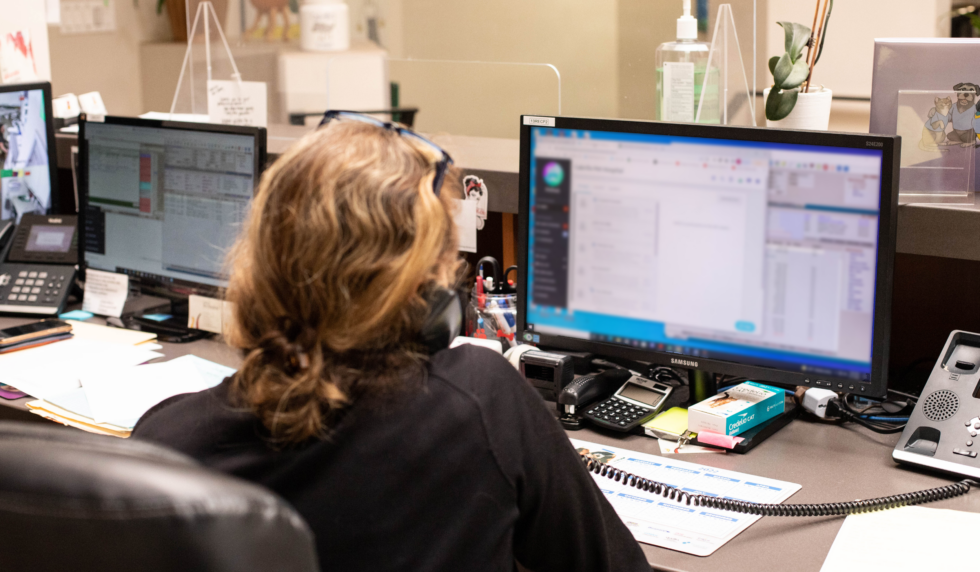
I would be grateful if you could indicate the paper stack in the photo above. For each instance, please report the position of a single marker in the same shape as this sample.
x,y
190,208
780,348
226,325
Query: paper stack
x,y
95,382
111,400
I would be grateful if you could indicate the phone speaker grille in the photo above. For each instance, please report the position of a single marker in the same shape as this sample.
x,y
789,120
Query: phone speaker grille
x,y
940,405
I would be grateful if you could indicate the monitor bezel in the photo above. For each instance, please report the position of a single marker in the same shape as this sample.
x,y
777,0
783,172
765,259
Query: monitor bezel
x,y
175,288
45,87
888,217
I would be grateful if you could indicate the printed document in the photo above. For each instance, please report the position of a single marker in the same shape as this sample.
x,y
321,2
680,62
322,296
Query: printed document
x,y
656,520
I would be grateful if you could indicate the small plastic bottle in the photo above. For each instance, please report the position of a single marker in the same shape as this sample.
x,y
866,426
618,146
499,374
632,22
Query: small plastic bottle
x,y
681,68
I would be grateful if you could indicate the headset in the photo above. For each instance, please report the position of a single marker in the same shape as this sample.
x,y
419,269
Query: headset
x,y
444,320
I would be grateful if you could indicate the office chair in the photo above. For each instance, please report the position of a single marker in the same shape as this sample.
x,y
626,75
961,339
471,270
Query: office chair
x,y
75,501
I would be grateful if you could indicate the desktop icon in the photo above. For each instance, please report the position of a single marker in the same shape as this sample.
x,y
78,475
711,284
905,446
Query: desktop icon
x,y
553,174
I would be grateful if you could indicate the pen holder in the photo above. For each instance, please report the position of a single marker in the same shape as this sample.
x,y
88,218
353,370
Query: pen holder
x,y
492,317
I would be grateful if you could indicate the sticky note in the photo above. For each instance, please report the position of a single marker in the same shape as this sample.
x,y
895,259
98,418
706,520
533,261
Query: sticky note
x,y
80,315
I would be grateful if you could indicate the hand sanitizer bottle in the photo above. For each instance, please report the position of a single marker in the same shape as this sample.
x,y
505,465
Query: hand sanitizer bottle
x,y
681,68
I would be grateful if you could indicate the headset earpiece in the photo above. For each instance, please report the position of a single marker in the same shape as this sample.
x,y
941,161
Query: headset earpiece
x,y
444,321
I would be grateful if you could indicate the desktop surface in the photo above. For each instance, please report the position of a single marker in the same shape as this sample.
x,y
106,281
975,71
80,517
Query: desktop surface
x,y
832,463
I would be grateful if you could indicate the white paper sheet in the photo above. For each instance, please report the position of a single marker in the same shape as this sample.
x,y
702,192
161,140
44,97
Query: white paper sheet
x,y
233,102
695,530
466,225
105,292
909,539
121,396
55,369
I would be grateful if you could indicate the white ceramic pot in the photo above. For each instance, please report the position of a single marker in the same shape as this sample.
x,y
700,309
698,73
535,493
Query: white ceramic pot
x,y
812,111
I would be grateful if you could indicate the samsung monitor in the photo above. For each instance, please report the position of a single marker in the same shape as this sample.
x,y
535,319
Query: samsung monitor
x,y
748,252
164,201
28,177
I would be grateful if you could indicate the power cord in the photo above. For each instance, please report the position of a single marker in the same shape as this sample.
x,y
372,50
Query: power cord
x,y
743,507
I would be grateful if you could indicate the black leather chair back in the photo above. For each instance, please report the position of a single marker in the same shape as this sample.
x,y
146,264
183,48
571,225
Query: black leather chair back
x,y
74,501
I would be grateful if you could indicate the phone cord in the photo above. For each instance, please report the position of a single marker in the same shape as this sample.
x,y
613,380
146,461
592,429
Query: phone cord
x,y
762,509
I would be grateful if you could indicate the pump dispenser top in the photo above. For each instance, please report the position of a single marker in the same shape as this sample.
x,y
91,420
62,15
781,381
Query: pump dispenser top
x,y
687,25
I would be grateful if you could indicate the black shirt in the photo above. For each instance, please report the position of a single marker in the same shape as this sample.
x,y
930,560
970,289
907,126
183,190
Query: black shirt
x,y
467,472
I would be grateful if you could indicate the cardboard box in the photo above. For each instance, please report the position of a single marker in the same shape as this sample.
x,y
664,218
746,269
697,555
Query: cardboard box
x,y
737,409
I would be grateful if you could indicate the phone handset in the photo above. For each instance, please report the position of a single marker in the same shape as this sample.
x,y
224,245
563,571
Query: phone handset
x,y
586,390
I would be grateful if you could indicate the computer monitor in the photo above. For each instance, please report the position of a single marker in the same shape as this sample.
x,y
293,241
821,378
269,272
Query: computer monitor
x,y
163,201
759,253
28,176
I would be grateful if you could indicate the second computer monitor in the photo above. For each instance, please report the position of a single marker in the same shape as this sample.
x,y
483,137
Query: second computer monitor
x,y
743,251
28,171
164,201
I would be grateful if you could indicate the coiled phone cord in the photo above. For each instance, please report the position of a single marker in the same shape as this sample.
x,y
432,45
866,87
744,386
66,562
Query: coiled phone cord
x,y
761,509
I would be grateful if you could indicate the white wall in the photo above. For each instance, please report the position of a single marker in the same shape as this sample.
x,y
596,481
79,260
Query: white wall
x,y
847,60
107,62
29,15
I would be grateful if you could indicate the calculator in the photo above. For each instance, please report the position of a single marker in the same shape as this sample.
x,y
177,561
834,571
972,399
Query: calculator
x,y
636,402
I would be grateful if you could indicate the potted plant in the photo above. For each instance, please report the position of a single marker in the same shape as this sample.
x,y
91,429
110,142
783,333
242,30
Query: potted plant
x,y
794,101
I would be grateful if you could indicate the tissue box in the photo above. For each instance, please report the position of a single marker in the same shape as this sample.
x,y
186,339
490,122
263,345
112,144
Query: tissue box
x,y
737,409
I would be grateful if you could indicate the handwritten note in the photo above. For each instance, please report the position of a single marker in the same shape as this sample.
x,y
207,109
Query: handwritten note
x,y
232,102
105,292
208,314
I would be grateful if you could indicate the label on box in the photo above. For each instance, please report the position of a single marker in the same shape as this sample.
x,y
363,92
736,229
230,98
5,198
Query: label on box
x,y
737,409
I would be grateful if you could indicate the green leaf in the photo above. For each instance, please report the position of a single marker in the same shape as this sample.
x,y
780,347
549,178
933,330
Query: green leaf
x,y
780,103
772,64
797,37
789,75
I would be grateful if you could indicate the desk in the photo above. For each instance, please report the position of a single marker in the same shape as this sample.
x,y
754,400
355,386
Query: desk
x,y
832,463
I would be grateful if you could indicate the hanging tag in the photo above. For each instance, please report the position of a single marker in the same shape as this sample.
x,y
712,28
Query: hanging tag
x,y
475,189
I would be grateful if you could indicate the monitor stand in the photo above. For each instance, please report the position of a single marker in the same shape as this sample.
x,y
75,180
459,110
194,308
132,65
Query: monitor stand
x,y
161,316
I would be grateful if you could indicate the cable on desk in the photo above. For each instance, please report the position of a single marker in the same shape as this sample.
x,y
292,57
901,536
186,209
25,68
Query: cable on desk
x,y
760,509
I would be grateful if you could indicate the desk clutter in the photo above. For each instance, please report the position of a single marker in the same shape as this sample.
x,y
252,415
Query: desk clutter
x,y
96,380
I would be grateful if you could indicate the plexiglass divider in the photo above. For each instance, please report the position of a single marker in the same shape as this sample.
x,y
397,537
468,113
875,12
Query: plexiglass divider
x,y
939,141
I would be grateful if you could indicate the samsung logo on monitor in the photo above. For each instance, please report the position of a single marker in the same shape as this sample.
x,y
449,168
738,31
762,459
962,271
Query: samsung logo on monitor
x,y
688,363
875,144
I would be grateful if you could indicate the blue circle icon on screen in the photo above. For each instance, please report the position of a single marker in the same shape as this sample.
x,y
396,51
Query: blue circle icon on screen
x,y
553,174
744,326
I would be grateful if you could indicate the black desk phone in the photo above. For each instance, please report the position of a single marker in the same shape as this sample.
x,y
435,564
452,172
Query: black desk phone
x,y
40,257
616,399
943,431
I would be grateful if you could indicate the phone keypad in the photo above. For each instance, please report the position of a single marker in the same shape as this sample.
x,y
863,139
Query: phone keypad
x,y
36,288
618,412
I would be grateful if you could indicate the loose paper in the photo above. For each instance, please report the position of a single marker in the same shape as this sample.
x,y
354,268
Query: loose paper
x,y
56,368
208,314
466,225
668,447
656,520
105,292
908,539
232,102
17,58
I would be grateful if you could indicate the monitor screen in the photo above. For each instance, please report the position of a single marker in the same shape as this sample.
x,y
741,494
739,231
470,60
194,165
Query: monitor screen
x,y
25,178
165,203
755,253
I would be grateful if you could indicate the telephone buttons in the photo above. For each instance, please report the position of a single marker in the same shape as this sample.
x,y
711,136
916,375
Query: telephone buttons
x,y
19,282
22,274
12,297
32,274
969,443
965,453
42,274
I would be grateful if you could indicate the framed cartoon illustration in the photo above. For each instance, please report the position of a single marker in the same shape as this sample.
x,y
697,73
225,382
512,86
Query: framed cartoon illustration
x,y
928,91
